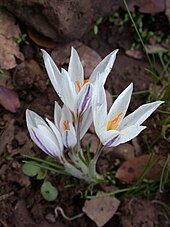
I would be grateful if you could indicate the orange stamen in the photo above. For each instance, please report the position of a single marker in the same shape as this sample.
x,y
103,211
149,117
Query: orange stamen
x,y
85,82
65,124
112,125
78,84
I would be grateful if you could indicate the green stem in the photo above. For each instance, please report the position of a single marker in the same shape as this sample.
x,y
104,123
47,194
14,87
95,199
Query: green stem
x,y
140,38
98,152
78,134
111,193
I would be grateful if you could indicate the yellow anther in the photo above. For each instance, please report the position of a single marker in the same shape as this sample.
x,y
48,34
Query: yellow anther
x,y
85,82
78,84
65,124
113,125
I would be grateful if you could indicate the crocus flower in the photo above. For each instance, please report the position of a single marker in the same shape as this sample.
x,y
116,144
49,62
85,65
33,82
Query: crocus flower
x,y
73,89
114,128
46,136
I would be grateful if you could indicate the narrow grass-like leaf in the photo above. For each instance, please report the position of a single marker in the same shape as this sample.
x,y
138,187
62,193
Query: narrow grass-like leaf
x,y
59,171
164,174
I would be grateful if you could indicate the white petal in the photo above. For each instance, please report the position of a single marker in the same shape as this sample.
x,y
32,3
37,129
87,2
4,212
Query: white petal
x,y
86,122
121,104
65,117
140,114
104,67
57,134
53,71
110,138
84,99
69,138
33,119
46,143
43,135
68,94
75,68
37,140
61,81
66,114
99,94
47,131
130,133
30,118
100,120
99,108
57,114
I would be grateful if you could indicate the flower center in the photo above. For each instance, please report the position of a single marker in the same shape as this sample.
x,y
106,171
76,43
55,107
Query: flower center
x,y
113,124
65,124
78,84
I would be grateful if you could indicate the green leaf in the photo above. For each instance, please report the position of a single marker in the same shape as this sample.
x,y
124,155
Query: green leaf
x,y
96,29
48,191
99,21
30,169
41,175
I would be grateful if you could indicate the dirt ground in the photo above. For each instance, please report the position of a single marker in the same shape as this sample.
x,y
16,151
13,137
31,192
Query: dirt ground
x,y
21,203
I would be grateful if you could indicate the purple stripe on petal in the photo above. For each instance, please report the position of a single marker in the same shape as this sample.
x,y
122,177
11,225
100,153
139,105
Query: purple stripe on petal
x,y
115,139
66,139
44,148
85,102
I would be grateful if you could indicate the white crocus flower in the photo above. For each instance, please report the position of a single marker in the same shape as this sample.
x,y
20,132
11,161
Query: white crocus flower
x,y
114,128
73,89
64,121
45,136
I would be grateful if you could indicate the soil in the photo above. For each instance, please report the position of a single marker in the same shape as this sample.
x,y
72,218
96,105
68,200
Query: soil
x,y
21,203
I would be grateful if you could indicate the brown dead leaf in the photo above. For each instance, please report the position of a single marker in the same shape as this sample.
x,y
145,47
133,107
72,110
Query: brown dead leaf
x,y
9,99
137,54
9,33
101,210
40,39
131,170
147,6
155,48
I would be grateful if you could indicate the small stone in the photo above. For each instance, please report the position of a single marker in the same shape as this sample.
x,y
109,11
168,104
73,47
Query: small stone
x,y
125,151
50,218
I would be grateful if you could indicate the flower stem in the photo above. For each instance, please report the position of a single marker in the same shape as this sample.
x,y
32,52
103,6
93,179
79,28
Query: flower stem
x,y
98,152
78,134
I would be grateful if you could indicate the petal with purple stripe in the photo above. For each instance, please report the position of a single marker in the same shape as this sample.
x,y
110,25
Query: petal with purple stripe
x,y
84,99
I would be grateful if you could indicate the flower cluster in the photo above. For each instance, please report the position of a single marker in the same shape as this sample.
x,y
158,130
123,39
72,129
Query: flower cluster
x,y
84,102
